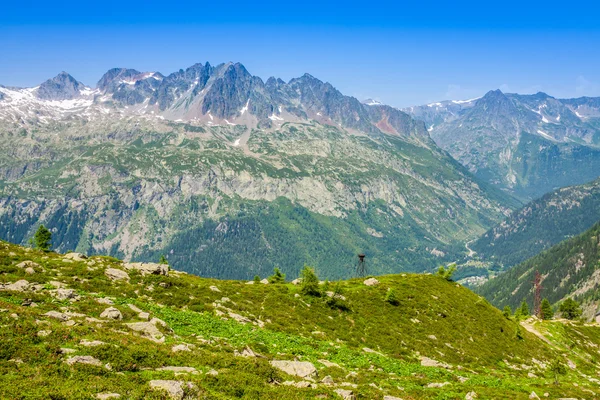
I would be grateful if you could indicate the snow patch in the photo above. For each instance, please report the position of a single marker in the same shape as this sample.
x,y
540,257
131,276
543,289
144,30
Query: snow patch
x,y
274,117
544,134
236,143
465,101
243,110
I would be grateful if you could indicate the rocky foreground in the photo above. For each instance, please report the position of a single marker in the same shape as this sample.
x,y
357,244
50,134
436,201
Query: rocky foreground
x,y
97,327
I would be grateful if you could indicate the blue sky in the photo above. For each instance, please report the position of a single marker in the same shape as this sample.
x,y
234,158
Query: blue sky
x,y
401,54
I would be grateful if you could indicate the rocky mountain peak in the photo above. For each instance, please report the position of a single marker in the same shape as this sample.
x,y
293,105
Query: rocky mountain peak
x,y
62,87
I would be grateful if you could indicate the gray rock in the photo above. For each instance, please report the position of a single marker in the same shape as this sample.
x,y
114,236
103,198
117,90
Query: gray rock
x,y
186,370
18,286
116,274
148,268
112,313
66,294
84,360
28,264
345,394
371,282
173,388
106,396
57,315
149,329
302,369
75,256
471,396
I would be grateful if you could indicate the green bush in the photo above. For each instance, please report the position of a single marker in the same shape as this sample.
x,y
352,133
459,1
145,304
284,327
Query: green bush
x,y
277,277
391,297
570,309
310,282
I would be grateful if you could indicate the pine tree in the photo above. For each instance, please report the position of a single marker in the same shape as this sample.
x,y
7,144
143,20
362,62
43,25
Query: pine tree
x,y
447,273
163,260
391,297
256,279
310,282
524,309
507,312
570,309
546,310
277,277
557,368
42,239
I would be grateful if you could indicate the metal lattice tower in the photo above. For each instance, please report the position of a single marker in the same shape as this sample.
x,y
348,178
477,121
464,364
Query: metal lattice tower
x,y
361,268
537,300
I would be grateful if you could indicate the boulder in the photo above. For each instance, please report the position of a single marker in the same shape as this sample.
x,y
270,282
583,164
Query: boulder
x,y
265,281
91,343
214,288
28,264
75,256
429,362
345,394
437,384
112,313
182,347
106,396
303,369
116,274
104,300
296,281
18,286
148,268
371,282
149,329
179,370
29,271
391,398
66,294
57,315
84,360
173,388
471,396
328,380
533,395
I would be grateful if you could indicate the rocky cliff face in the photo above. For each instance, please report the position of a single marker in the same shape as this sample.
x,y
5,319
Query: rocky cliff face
x,y
230,176
525,144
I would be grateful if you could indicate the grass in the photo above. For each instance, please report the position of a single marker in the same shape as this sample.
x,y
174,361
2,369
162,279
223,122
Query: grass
x,y
377,346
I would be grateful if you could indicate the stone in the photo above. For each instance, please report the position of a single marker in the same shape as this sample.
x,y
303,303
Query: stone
x,y
57,315
247,352
44,333
84,360
144,316
29,271
105,300
65,350
148,268
173,388
116,274
328,380
18,286
428,362
437,384
179,370
91,343
533,395
149,329
471,396
345,394
250,283
371,282
391,398
106,396
297,281
212,372
182,347
134,308
302,369
75,256
329,364
112,313
65,294
28,264
214,289
265,281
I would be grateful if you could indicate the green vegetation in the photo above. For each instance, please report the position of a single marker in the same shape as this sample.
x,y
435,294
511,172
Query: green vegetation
x,y
570,309
541,224
368,346
277,277
446,272
42,239
569,269
310,282
546,310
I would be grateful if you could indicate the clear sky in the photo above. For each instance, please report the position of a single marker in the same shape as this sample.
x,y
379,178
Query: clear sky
x,y
401,53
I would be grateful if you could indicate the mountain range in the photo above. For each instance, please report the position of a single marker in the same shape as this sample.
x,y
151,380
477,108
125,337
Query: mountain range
x,y
230,176
526,145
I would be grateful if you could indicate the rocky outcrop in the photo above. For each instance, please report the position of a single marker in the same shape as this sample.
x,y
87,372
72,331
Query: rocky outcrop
x,y
302,369
116,274
112,313
148,268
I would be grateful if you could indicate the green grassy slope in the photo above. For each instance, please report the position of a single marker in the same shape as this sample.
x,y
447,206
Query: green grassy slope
x,y
378,348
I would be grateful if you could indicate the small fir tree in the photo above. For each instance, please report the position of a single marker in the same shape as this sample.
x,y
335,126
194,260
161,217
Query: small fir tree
x,y
310,282
42,239
557,368
447,273
507,312
391,297
524,309
546,310
277,277
163,260
256,279
570,309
